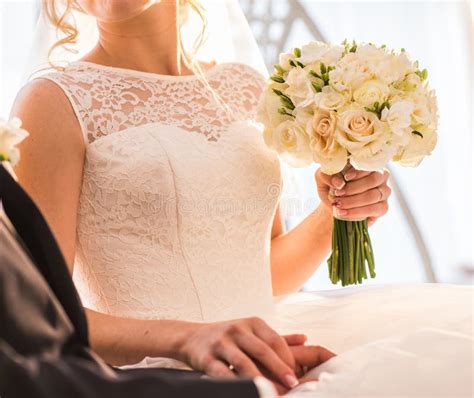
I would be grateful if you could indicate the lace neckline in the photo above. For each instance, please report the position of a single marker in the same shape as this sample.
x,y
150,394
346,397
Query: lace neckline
x,y
151,75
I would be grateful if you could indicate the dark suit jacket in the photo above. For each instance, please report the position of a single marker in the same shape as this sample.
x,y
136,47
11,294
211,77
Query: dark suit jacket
x,y
44,349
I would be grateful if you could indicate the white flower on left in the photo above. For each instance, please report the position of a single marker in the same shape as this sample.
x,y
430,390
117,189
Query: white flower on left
x,y
11,134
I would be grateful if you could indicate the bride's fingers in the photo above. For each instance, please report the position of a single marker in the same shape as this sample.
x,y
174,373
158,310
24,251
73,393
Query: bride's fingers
x,y
240,362
274,341
375,210
295,339
369,197
217,368
353,174
370,181
268,359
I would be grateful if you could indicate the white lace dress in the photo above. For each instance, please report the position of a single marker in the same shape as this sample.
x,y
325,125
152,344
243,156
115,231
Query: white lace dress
x,y
176,209
178,193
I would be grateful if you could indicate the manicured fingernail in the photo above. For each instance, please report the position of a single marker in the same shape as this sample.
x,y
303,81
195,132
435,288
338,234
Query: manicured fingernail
x,y
338,183
291,381
341,212
349,176
340,192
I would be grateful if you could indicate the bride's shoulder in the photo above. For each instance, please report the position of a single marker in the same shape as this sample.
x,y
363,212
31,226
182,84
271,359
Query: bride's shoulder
x,y
42,105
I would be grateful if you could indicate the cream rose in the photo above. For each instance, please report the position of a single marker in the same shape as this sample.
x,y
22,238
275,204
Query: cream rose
x,y
371,92
11,134
292,142
299,88
326,150
329,100
366,138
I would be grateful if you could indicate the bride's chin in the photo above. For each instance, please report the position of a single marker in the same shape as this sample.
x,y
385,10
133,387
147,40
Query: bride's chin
x,y
116,10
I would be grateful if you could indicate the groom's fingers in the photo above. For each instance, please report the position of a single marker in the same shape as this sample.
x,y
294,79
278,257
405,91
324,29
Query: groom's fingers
x,y
295,339
311,356
268,359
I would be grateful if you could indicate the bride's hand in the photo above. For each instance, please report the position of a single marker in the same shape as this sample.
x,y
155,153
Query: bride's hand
x,y
227,349
358,194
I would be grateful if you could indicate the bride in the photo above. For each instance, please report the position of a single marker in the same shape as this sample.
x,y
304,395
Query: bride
x,y
153,174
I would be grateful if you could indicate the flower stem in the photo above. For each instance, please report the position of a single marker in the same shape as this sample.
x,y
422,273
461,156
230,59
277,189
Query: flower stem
x,y
351,251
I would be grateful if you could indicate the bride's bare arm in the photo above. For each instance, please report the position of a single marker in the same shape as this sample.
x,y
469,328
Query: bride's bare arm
x,y
51,172
297,254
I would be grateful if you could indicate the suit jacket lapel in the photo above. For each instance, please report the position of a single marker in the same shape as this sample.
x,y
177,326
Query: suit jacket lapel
x,y
38,238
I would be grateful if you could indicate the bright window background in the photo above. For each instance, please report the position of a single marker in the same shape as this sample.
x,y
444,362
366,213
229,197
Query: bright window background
x,y
440,35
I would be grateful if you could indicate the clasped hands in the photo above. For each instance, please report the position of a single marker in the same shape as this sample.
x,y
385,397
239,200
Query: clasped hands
x,y
250,348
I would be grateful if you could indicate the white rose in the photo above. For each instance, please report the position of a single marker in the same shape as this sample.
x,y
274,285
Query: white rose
x,y
317,52
371,53
291,141
398,118
366,138
421,114
284,60
347,78
329,100
371,92
411,82
299,88
433,108
267,110
11,134
392,68
326,150
418,147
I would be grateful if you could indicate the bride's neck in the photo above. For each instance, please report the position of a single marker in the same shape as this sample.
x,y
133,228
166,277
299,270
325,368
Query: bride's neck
x,y
147,42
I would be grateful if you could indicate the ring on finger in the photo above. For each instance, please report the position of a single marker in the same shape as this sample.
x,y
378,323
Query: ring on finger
x,y
231,368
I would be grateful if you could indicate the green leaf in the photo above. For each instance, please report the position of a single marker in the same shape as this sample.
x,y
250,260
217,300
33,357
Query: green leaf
x,y
297,52
277,79
417,133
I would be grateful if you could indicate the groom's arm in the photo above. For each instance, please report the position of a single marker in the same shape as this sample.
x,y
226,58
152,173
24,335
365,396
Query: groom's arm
x,y
75,377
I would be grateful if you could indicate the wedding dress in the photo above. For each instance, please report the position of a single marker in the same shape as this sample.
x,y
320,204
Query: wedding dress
x,y
176,209
178,193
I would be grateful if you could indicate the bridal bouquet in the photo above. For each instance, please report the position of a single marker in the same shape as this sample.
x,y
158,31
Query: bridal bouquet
x,y
351,104
11,134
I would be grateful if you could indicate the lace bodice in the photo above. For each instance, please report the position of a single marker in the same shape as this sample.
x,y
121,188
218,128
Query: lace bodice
x,y
178,194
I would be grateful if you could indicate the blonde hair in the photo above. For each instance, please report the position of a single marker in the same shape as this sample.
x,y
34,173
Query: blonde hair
x,y
59,14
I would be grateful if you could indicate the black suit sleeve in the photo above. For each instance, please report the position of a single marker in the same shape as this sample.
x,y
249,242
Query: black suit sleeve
x,y
75,377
